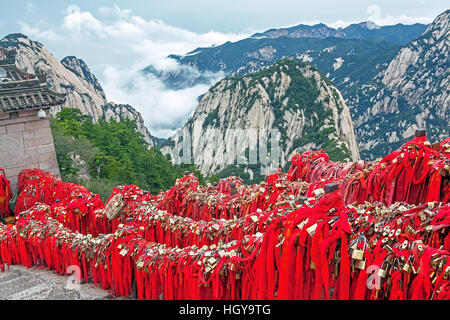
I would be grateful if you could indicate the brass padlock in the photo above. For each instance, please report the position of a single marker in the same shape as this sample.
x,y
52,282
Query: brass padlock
x,y
358,254
410,230
361,265
434,264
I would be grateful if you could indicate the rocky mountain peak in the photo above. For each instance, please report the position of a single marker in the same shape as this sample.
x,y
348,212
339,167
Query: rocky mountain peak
x,y
70,76
411,91
440,26
80,68
290,96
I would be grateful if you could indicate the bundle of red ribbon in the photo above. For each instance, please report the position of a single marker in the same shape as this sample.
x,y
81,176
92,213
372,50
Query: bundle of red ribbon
x,y
281,239
5,194
419,172
290,260
72,204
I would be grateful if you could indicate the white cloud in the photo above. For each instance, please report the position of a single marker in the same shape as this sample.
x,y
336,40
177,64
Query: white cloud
x,y
164,110
404,19
375,15
82,22
117,45
37,33
115,11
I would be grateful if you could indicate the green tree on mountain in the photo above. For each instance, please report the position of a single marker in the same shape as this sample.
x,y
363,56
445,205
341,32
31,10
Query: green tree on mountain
x,y
115,152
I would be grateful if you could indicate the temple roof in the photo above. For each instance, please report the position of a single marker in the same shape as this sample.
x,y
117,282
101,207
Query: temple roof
x,y
22,91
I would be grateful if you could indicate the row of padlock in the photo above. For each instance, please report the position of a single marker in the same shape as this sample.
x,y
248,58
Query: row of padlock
x,y
314,247
73,205
206,203
383,253
152,260
419,172
124,260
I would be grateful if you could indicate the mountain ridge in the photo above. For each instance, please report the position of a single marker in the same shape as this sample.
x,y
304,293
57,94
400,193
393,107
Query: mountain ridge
x,y
357,58
398,33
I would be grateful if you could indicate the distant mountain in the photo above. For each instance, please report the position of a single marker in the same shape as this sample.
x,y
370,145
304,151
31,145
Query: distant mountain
x,y
73,77
412,90
399,33
290,96
345,61
319,30
357,50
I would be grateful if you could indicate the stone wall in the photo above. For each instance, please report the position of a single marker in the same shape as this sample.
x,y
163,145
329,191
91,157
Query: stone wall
x,y
26,142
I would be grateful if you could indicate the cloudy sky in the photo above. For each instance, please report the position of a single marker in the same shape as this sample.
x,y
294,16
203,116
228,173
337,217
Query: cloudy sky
x,y
118,38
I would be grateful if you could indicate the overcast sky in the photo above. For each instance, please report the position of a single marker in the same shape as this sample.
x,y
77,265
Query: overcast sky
x,y
118,38
220,15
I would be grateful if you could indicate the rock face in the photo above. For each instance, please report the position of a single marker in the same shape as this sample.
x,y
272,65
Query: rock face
x,y
79,67
292,97
117,112
412,91
391,82
72,77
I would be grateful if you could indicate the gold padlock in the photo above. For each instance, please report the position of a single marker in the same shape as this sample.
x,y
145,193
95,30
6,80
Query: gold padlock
x,y
358,254
361,265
